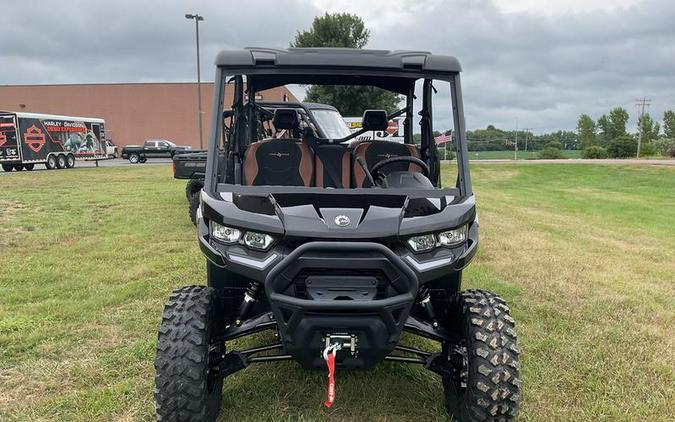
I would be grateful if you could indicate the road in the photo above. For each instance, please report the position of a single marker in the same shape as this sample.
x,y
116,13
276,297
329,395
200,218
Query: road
x,y
115,162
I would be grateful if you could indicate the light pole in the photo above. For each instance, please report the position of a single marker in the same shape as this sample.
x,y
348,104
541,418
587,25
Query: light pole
x,y
198,18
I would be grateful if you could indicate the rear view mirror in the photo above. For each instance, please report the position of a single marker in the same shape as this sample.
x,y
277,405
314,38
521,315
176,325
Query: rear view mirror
x,y
375,120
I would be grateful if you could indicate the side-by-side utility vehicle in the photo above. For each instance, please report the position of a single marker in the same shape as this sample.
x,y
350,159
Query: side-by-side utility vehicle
x,y
337,245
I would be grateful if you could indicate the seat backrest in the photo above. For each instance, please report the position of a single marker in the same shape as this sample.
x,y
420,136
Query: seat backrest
x,y
339,159
280,162
374,151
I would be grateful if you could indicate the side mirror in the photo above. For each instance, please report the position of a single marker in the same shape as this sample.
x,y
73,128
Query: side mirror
x,y
374,120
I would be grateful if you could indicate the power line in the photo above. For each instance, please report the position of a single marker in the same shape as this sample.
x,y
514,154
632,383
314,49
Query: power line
x,y
641,103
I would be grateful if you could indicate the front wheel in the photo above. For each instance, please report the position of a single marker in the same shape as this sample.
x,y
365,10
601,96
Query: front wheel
x,y
186,385
483,383
134,158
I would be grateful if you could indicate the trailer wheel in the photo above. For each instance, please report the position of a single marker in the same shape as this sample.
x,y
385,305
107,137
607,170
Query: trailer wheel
x,y
187,384
134,158
7,167
18,167
51,162
70,161
29,167
61,161
483,380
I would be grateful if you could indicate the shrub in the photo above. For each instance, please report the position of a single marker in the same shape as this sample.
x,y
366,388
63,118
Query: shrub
x,y
622,147
648,150
554,145
665,146
549,153
594,152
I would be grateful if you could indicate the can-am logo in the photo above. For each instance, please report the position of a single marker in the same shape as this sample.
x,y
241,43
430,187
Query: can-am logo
x,y
34,138
342,220
279,154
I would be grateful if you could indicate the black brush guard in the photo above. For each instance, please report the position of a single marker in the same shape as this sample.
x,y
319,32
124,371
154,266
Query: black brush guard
x,y
355,289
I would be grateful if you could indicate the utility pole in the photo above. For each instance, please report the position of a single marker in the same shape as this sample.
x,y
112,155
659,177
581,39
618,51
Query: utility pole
x,y
198,18
527,135
641,103
515,151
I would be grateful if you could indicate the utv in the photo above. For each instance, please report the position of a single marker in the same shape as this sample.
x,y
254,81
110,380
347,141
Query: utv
x,y
337,245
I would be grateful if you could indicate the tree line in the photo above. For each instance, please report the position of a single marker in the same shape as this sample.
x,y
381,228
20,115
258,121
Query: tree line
x,y
608,137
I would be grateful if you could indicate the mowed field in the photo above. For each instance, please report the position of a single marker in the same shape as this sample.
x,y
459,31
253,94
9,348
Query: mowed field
x,y
584,254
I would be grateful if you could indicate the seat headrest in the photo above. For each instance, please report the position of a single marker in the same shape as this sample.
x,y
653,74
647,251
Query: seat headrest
x,y
285,118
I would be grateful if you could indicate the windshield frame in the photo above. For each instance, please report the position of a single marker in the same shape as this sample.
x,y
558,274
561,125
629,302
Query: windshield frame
x,y
463,184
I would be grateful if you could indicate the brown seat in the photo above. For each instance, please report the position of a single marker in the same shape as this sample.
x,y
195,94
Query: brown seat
x,y
375,151
278,162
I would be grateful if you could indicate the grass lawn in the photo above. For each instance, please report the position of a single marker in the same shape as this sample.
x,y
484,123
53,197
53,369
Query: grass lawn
x,y
522,155
584,254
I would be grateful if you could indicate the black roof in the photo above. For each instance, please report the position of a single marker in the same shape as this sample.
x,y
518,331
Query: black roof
x,y
255,59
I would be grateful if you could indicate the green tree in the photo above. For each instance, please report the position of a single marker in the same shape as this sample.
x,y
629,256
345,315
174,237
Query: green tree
x,y
348,31
614,125
622,147
648,128
586,131
669,124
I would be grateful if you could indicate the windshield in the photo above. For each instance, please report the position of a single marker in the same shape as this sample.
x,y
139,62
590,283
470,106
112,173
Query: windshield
x,y
331,123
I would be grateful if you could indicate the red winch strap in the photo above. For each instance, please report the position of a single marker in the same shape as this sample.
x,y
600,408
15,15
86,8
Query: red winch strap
x,y
330,361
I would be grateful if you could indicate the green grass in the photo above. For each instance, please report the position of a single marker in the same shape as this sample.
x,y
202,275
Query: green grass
x,y
522,155
585,255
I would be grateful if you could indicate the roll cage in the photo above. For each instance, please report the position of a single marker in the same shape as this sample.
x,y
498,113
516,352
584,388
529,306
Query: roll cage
x,y
253,70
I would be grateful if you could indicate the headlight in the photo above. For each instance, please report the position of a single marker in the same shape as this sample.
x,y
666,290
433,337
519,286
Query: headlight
x,y
255,240
452,237
422,243
430,241
225,234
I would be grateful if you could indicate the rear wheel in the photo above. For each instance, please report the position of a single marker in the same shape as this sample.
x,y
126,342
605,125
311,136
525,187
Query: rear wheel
x,y
483,383
28,167
7,167
70,161
134,158
186,386
51,162
18,167
142,160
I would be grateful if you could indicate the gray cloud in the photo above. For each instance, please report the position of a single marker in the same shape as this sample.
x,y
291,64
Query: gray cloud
x,y
540,69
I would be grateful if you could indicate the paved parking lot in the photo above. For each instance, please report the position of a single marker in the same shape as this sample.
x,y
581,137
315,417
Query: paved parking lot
x,y
114,162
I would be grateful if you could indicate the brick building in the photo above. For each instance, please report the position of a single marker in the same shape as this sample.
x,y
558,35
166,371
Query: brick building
x,y
133,111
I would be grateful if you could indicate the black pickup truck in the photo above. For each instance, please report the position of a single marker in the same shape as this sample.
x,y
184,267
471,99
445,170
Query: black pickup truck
x,y
152,148
326,120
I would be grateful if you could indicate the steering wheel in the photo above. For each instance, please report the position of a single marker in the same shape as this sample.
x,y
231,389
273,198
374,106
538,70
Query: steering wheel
x,y
425,168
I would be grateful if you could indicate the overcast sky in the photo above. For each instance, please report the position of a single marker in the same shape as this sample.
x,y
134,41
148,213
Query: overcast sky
x,y
540,62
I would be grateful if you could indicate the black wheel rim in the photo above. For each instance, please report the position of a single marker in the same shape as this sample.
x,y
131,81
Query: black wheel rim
x,y
213,358
459,362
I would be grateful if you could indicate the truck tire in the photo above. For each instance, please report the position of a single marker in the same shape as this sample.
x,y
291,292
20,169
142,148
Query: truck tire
x,y
193,186
7,167
484,384
61,161
29,167
185,387
143,160
70,161
193,206
134,158
51,162
18,167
